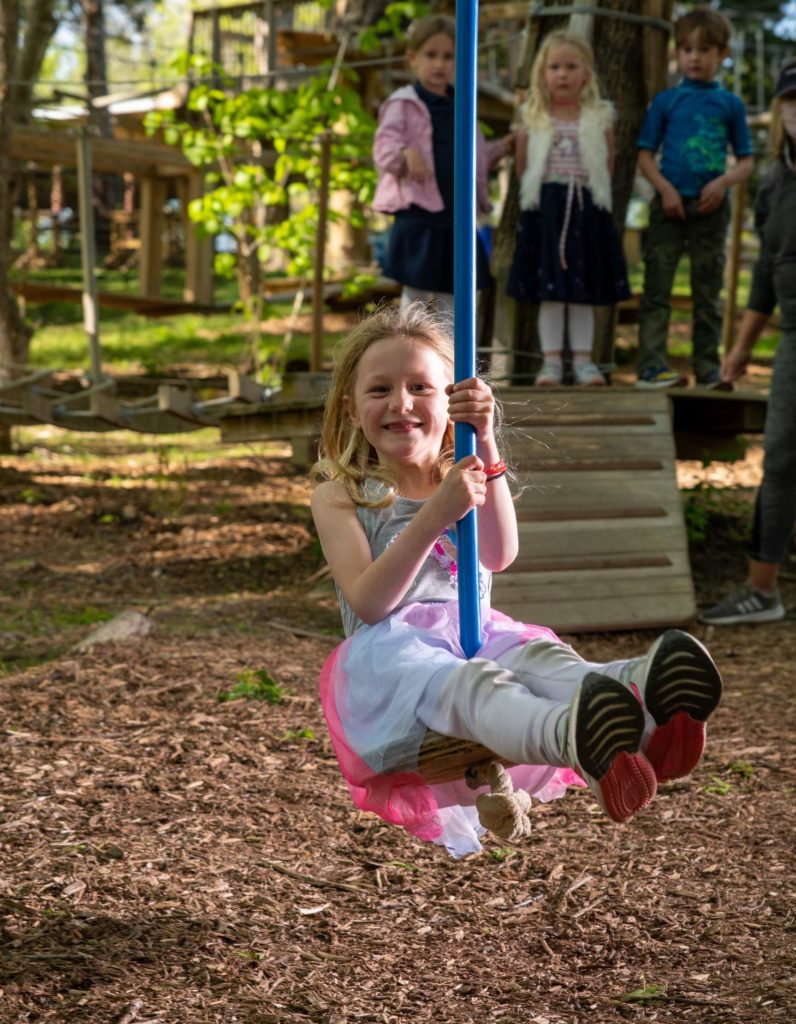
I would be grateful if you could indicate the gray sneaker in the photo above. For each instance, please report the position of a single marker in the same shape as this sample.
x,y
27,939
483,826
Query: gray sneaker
x,y
745,605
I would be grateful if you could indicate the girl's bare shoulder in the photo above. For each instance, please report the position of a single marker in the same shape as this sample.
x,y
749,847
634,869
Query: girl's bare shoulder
x,y
331,494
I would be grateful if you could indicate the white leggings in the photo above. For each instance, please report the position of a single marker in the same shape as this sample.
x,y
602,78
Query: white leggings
x,y
518,706
551,327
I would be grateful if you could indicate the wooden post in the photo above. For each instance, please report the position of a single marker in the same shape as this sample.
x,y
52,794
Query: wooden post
x,y
316,349
732,270
760,69
151,221
56,207
88,255
198,250
582,23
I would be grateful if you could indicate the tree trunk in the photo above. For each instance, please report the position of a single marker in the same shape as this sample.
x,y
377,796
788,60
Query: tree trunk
x,y
623,78
625,81
106,188
40,25
18,70
14,335
515,331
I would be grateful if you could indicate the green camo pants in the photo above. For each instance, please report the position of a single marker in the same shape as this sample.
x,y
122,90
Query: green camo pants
x,y
667,239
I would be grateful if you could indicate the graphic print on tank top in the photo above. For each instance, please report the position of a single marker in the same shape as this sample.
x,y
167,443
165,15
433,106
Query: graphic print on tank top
x,y
444,552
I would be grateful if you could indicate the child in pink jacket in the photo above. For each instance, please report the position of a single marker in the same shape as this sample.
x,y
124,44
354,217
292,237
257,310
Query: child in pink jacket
x,y
413,152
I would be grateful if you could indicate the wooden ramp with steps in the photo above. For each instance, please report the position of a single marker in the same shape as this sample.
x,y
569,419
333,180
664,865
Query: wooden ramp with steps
x,y
602,537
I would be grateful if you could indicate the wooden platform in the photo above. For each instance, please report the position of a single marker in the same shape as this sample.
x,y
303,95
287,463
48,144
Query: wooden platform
x,y
145,305
602,537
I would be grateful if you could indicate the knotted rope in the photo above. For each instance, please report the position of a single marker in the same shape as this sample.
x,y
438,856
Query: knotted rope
x,y
502,811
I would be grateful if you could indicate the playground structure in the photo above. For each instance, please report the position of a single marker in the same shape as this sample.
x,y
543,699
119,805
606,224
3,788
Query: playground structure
x,y
278,40
602,503
244,409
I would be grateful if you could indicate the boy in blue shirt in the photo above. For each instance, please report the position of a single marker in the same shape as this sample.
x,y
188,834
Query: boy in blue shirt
x,y
694,123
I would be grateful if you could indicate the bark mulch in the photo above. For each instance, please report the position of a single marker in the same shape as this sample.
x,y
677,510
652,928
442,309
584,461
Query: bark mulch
x,y
171,857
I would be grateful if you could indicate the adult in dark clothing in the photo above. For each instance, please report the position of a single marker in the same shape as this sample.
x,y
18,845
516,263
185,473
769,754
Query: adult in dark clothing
x,y
774,283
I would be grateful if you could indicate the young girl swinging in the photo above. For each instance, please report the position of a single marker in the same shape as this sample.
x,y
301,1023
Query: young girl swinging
x,y
385,512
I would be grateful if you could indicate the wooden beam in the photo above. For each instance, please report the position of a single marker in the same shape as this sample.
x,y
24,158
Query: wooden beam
x,y
732,269
151,219
140,157
37,291
244,389
198,250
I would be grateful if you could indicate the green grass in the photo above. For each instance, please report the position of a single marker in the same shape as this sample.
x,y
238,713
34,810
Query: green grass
x,y
133,344
767,344
159,456
137,344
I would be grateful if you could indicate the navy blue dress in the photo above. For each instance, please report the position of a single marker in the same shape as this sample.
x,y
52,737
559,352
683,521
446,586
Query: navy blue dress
x,y
595,273
420,245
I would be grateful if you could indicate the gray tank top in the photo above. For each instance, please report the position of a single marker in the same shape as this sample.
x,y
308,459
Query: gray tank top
x,y
438,576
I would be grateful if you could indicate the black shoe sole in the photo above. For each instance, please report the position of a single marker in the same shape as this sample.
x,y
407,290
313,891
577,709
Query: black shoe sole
x,y
610,721
681,678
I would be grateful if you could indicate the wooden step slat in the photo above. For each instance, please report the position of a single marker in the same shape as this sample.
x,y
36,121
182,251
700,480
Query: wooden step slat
x,y
591,465
530,564
593,419
563,514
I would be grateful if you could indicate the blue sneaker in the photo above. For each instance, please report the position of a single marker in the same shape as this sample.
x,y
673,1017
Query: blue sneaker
x,y
660,377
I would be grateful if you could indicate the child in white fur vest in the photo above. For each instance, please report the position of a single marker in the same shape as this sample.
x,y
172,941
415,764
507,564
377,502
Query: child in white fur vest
x,y
568,256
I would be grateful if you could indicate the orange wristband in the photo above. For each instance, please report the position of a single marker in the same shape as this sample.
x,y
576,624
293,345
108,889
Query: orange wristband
x,y
496,470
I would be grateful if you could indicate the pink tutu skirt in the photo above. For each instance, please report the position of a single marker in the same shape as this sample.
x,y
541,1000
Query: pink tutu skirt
x,y
373,687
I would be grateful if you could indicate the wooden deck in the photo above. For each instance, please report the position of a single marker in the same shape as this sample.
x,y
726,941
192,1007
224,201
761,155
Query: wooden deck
x,y
602,538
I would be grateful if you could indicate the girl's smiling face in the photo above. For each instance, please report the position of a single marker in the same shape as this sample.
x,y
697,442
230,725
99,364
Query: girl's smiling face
x,y
400,402
433,63
565,74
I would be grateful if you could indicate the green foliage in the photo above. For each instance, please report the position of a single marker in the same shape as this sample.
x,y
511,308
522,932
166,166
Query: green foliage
x,y
298,734
31,496
703,510
646,994
254,684
234,135
699,502
392,24
503,853
718,786
740,766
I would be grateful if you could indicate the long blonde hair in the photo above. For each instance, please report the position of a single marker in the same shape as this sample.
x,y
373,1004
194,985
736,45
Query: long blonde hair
x,y
536,106
345,453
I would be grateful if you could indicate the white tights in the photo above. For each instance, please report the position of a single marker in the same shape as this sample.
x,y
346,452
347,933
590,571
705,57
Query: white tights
x,y
581,330
518,706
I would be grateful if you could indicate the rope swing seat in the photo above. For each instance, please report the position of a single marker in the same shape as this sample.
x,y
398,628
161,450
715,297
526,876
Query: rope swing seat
x,y
429,786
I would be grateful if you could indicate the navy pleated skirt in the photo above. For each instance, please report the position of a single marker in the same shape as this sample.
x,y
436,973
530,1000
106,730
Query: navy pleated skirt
x,y
593,270
420,253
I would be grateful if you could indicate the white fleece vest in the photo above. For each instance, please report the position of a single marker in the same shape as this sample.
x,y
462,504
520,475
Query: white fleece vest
x,y
592,126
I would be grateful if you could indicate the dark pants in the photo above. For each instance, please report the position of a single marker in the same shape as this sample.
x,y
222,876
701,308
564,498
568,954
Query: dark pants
x,y
667,239
775,509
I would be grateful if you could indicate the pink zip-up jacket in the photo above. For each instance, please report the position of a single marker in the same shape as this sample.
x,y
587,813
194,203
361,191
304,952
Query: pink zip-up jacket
x,y
405,123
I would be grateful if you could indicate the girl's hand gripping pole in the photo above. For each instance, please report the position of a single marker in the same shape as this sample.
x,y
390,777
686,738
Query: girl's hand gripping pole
x,y
464,193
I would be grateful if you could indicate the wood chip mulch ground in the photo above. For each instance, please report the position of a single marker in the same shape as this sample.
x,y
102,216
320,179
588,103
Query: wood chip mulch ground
x,y
170,857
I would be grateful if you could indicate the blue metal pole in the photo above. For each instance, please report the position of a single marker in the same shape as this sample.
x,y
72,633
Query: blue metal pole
x,y
464,297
